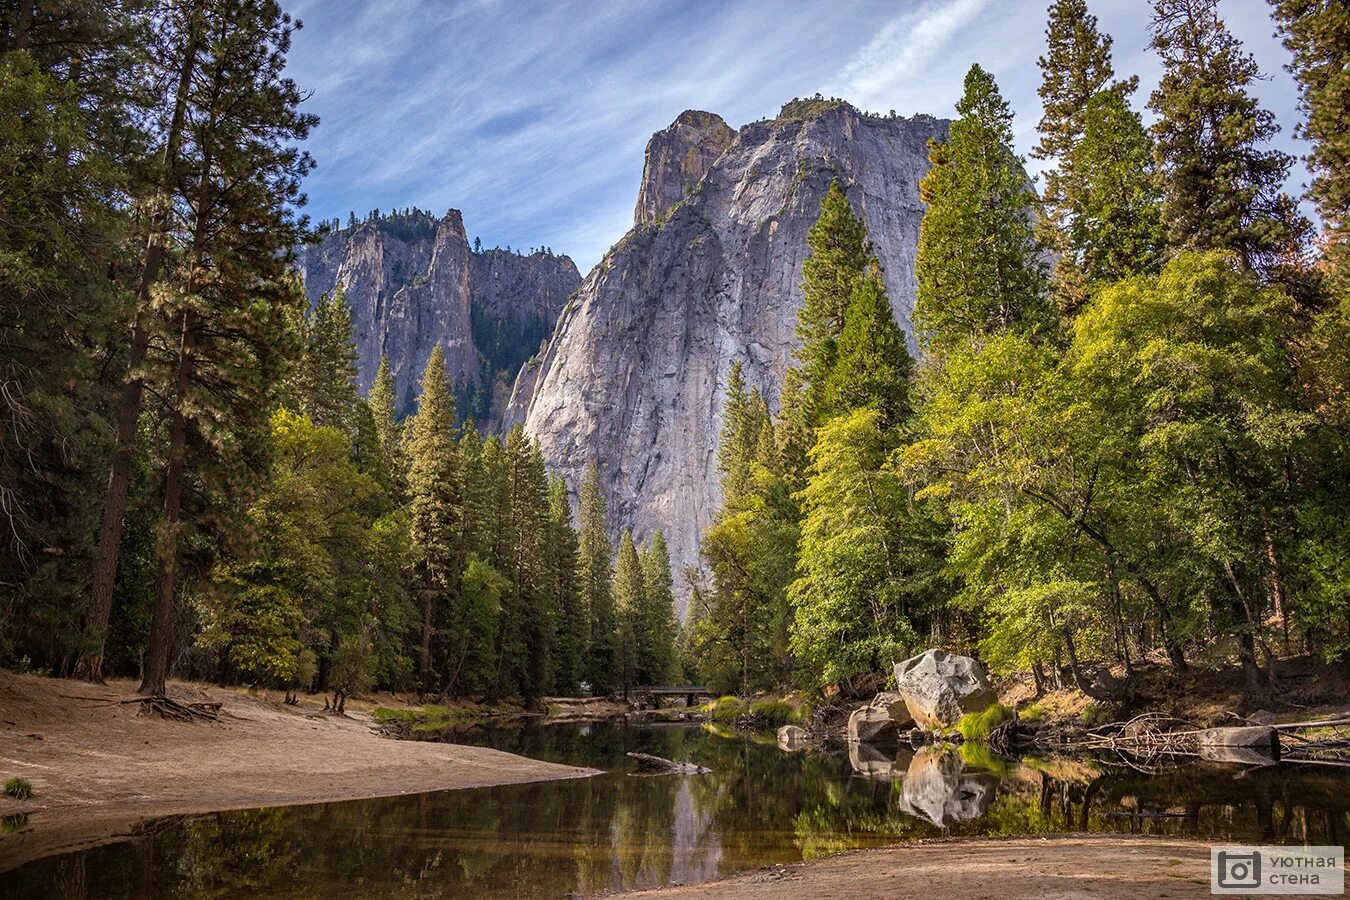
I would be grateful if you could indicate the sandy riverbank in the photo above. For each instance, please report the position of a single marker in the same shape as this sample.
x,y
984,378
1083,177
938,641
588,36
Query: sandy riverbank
x,y
99,770
1013,869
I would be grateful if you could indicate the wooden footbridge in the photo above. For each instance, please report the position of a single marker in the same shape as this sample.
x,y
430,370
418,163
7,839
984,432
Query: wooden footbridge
x,y
691,693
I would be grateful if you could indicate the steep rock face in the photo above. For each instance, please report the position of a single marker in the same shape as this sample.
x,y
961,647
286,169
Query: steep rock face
x,y
412,282
677,159
634,377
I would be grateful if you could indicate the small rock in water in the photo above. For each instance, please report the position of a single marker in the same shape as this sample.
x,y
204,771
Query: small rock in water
x,y
792,738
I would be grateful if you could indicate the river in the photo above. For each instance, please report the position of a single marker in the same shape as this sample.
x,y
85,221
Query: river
x,y
759,806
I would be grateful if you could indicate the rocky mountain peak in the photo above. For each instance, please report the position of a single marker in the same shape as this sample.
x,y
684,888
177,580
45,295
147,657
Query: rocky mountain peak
x,y
677,159
634,377
413,282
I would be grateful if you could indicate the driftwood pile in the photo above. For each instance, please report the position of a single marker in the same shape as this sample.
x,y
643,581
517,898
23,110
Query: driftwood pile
x,y
1158,737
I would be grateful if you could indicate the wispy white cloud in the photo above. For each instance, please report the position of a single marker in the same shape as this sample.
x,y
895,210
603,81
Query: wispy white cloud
x,y
903,51
531,117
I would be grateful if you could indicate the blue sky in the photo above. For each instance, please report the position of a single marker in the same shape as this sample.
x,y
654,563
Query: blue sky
x,y
531,117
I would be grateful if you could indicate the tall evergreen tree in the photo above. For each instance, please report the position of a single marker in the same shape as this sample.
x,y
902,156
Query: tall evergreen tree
x,y
978,264
594,574
436,498
839,251
1224,184
1075,68
629,601
1118,231
527,643
1317,33
181,33
873,365
744,416
231,301
573,636
325,379
63,220
658,626
389,433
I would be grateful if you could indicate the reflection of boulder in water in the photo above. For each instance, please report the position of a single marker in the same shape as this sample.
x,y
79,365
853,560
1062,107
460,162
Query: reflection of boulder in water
x,y
940,789
870,762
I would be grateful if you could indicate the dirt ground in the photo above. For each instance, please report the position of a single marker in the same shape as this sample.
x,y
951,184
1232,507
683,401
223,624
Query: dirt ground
x,y
99,769
1014,869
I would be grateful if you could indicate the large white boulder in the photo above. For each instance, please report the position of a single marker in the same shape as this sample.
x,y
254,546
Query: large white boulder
x,y
940,687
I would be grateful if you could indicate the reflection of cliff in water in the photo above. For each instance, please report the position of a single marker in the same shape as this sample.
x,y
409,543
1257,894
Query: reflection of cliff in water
x,y
758,807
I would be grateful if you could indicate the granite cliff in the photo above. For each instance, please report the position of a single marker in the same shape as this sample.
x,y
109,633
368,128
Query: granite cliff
x,y
635,373
412,282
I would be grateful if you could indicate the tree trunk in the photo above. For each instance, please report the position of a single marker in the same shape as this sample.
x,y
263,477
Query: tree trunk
x,y
156,669
426,642
90,663
1278,596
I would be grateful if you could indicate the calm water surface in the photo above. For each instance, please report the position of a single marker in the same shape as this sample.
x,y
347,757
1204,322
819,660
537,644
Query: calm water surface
x,y
758,807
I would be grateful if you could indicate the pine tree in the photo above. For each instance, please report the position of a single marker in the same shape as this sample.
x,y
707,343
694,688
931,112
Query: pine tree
x,y
751,552
1075,69
858,563
230,305
873,365
1317,33
436,497
629,602
1223,185
573,636
978,264
180,47
602,669
740,428
1118,230
388,432
530,638
326,375
658,624
63,224
839,251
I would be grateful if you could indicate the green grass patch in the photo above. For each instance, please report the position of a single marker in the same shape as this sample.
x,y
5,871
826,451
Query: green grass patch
x,y
725,709
1033,713
977,726
777,711
19,789
431,717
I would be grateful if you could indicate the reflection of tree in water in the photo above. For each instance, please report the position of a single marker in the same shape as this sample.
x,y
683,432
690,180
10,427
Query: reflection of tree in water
x,y
237,853
759,806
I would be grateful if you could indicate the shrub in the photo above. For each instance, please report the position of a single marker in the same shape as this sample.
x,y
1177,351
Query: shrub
x,y
777,711
977,726
19,789
725,709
